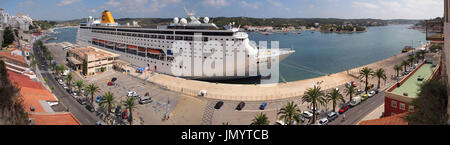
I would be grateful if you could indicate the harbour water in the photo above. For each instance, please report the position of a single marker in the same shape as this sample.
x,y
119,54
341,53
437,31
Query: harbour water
x,y
319,54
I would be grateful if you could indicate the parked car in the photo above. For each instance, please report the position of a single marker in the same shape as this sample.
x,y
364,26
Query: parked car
x,y
99,98
240,106
145,100
118,111
101,123
355,101
60,82
90,108
364,97
125,114
372,93
280,122
82,101
263,106
111,84
344,108
114,79
332,116
323,121
307,114
359,91
132,94
317,111
218,105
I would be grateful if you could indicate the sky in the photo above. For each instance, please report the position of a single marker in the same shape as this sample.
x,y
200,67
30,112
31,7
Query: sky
x,y
347,9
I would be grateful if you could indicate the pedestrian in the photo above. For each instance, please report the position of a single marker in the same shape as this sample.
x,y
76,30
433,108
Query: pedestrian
x,y
343,117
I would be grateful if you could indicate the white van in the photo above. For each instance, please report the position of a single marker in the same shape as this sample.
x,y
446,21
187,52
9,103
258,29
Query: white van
x,y
355,101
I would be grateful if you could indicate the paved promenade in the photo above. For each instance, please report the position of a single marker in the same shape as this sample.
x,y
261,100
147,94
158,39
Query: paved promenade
x,y
271,92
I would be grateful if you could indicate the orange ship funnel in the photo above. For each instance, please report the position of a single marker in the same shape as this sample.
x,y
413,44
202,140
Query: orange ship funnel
x,y
107,17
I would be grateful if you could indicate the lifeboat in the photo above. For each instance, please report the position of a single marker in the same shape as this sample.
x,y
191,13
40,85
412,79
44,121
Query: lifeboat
x,y
132,47
122,46
141,49
154,51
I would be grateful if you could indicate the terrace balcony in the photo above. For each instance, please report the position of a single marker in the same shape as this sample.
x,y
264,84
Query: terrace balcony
x,y
434,30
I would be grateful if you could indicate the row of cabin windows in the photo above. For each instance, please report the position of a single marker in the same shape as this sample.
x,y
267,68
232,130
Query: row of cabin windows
x,y
121,31
186,38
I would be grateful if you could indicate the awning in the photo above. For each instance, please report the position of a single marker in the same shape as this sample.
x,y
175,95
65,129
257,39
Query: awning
x,y
74,61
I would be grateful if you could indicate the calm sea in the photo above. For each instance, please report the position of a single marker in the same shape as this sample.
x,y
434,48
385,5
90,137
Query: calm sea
x,y
318,54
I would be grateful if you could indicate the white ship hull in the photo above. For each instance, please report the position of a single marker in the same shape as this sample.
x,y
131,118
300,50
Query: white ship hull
x,y
118,44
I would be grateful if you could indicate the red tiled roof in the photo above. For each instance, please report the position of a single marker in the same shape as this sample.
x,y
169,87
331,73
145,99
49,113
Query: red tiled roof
x,y
23,81
32,97
16,58
54,119
391,120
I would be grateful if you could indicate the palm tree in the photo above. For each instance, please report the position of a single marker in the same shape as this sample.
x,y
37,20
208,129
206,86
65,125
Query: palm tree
x,y
33,63
290,113
380,74
350,90
316,97
92,89
130,105
411,60
365,73
80,84
261,119
69,80
397,68
335,96
405,63
107,102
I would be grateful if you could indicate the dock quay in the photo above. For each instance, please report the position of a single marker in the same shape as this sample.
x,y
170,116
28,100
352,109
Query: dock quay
x,y
265,92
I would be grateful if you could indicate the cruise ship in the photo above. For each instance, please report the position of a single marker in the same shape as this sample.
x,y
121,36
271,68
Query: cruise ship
x,y
154,49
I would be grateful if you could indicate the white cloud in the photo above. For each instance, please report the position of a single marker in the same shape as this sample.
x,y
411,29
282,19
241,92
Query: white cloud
x,y
246,4
217,3
25,4
67,2
368,5
275,3
406,9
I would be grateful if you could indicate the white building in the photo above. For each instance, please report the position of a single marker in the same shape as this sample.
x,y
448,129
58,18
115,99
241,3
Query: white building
x,y
21,22
3,18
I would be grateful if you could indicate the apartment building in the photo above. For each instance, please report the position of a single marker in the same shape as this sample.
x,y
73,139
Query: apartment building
x,y
97,60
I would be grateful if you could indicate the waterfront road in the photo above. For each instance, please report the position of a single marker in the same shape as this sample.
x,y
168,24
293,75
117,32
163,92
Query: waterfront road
x,y
355,114
79,111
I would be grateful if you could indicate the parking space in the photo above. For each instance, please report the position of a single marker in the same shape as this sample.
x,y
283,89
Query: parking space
x,y
163,101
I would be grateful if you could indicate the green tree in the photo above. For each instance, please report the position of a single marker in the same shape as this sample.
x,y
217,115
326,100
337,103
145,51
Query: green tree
x,y
107,103
92,89
350,90
261,119
69,80
397,68
365,73
335,97
85,69
431,105
315,96
411,60
290,113
380,74
80,84
130,105
405,63
8,37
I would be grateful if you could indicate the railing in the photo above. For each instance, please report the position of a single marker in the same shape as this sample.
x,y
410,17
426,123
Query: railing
x,y
434,30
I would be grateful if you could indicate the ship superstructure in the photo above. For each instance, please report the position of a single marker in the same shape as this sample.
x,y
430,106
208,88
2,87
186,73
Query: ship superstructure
x,y
154,49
